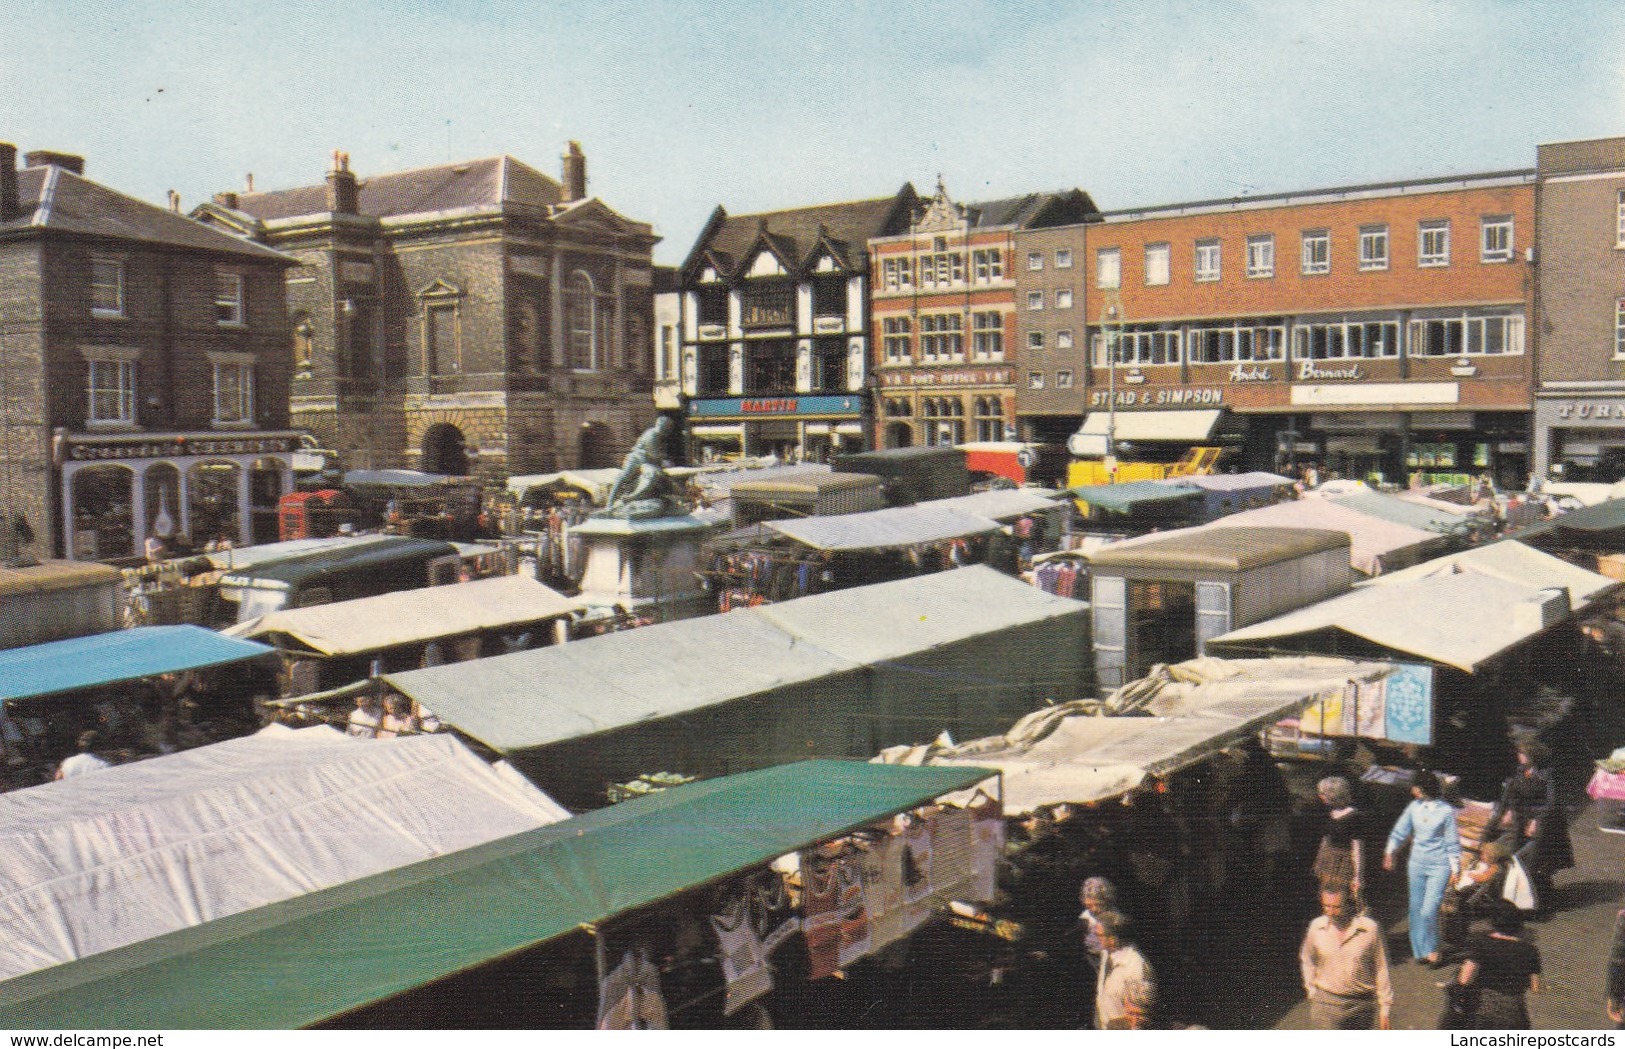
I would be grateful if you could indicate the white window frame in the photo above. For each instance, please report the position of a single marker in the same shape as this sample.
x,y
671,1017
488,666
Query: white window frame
x,y
1035,261
1237,343
1347,335
1373,238
116,268
1035,380
120,368
1158,264
1035,340
1260,256
1316,252
1619,329
1473,335
1035,300
1063,379
1063,258
987,265
942,337
895,338
230,298
1209,260
987,335
1433,243
1063,298
1619,220
1496,240
234,383
1140,348
1108,268
1063,339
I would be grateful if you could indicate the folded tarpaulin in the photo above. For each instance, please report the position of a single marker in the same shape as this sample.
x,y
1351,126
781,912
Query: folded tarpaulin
x,y
123,655
109,858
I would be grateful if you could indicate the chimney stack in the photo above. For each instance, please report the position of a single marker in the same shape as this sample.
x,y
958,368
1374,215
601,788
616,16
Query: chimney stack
x,y
227,199
343,196
10,204
575,174
174,201
250,182
44,158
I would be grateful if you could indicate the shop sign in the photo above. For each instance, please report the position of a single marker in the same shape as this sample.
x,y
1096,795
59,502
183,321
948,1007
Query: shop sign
x,y
957,377
1174,397
1250,373
775,406
179,446
1309,372
1591,410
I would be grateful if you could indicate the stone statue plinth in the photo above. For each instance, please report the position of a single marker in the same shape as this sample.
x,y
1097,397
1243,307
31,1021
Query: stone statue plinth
x,y
646,566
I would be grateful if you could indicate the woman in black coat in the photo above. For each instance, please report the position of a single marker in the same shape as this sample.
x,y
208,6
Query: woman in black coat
x,y
1531,821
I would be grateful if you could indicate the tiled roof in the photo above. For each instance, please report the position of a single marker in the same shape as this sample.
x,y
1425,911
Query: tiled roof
x,y
56,199
798,230
491,181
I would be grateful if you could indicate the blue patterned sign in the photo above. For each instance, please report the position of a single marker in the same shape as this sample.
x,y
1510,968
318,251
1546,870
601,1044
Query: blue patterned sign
x,y
1409,710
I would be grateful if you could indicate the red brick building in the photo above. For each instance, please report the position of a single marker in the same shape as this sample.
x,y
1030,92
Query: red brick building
x,y
1377,329
945,316
144,371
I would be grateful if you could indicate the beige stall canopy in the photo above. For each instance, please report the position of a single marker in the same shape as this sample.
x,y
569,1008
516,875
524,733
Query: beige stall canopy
x,y
1154,426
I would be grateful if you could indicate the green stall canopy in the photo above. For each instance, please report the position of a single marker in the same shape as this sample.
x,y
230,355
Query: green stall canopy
x,y
321,955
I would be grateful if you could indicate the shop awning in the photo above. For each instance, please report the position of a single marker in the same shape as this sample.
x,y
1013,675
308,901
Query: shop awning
x,y
326,953
1155,426
413,616
531,699
1071,754
94,863
1130,495
596,483
898,526
1003,505
123,655
1513,562
1457,620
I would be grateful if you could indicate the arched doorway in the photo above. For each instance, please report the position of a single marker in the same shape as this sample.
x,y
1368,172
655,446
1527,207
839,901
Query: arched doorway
x,y
899,435
265,490
444,451
212,491
597,447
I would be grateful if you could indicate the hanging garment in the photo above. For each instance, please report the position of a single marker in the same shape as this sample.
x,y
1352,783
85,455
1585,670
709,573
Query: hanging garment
x,y
953,871
987,847
917,861
745,973
854,942
820,907
629,999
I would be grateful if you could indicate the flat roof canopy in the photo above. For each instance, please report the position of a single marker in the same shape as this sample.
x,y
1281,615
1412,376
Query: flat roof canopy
x,y
123,655
1154,426
1218,549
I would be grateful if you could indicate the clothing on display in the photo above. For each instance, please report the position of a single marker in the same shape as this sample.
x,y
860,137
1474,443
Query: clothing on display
x,y
630,999
745,971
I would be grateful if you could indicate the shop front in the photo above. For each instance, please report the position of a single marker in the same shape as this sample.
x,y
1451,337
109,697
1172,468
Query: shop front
x,y
927,407
1580,437
185,490
1410,449
794,429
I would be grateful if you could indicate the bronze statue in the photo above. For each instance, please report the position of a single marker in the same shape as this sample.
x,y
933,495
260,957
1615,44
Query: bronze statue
x,y
644,490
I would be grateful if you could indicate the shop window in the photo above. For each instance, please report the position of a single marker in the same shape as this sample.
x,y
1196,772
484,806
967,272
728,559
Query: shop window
x,y
1156,263
228,298
212,489
1429,455
1261,256
102,517
106,287
1317,251
1433,243
1495,238
1373,247
1207,260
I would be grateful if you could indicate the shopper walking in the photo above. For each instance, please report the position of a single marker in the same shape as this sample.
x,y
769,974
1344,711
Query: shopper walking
x,y
1341,858
1500,968
1531,822
1345,967
1124,974
1429,825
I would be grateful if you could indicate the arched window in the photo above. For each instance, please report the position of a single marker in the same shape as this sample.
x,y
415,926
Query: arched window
x,y
581,322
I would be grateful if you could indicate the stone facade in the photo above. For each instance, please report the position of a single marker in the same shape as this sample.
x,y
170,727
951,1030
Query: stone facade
x,y
476,318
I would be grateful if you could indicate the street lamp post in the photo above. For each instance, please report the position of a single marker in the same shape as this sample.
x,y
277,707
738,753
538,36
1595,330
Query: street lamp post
x,y
1111,324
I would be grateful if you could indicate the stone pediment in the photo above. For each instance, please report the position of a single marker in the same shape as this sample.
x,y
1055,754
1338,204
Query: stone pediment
x,y
941,214
440,289
593,215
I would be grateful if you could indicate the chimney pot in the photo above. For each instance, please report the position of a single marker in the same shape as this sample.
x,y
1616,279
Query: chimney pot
x,y
44,158
250,182
343,195
174,201
10,205
575,174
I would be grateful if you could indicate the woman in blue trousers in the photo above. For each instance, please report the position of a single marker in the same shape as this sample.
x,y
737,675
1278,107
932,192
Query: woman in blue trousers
x,y
1429,824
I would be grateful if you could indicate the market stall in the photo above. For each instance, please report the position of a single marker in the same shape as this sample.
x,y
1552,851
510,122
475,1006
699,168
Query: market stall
x,y
58,599
1139,506
388,960
1377,545
1224,494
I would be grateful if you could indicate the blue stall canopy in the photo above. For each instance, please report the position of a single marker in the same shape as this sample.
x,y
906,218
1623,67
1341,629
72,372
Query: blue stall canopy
x,y
124,655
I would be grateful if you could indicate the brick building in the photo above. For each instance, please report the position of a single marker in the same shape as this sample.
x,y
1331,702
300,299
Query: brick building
x,y
143,370
945,316
1377,330
1580,398
470,318
776,335
1050,270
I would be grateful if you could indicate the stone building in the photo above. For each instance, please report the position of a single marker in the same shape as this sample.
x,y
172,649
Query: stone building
x,y
470,318
143,371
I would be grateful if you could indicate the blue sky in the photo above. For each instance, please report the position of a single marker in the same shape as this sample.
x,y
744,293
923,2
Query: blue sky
x,y
766,105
